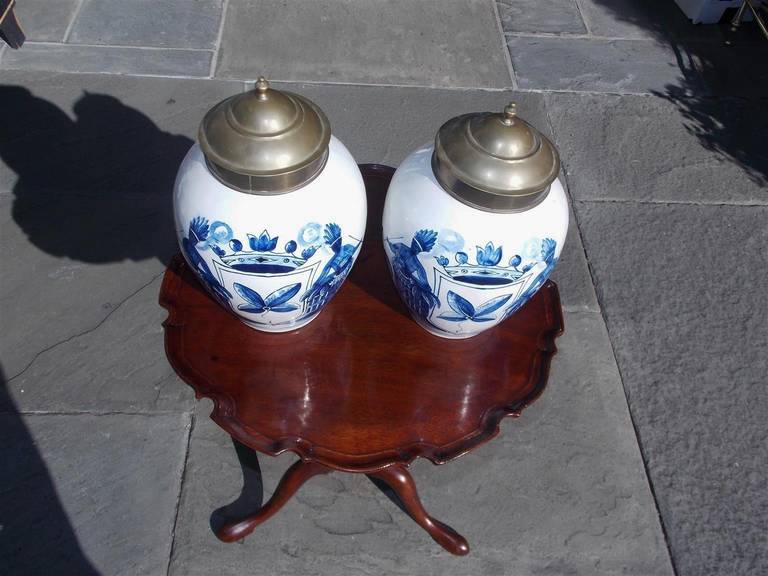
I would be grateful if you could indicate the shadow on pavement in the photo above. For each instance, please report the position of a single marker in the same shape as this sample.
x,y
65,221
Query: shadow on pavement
x,y
36,536
720,69
95,189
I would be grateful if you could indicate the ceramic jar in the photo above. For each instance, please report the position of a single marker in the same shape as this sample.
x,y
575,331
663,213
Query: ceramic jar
x,y
270,208
474,224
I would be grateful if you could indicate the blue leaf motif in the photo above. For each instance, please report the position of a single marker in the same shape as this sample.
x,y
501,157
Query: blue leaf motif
x,y
275,302
491,306
332,236
255,302
198,229
460,304
462,258
548,249
515,261
488,256
236,245
219,251
452,316
291,246
282,295
423,241
307,253
442,260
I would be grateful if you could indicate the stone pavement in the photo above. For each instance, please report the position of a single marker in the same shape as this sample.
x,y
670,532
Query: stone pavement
x,y
646,456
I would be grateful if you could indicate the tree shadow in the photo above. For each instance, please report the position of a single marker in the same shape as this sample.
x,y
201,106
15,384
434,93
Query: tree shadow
x,y
96,188
36,537
724,78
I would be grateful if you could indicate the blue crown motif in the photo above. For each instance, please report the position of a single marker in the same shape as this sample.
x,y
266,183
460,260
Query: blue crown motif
x,y
288,282
486,271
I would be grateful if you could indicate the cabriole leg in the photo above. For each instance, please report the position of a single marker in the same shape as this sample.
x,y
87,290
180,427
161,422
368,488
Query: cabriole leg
x,y
400,480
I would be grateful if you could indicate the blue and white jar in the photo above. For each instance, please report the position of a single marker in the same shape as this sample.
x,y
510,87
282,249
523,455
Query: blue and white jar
x,y
270,208
474,224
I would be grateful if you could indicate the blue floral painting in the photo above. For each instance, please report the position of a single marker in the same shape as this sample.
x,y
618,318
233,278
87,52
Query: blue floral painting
x,y
260,256
501,286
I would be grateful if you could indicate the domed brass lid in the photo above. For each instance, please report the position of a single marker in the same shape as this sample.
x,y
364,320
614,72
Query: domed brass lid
x,y
494,162
265,141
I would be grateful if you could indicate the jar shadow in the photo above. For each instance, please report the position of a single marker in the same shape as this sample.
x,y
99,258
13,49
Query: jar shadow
x,y
371,271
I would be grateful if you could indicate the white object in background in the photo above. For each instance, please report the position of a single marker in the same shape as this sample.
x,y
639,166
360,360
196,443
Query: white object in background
x,y
706,11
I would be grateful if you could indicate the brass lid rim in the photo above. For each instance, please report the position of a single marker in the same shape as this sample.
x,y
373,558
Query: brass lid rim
x,y
288,181
484,199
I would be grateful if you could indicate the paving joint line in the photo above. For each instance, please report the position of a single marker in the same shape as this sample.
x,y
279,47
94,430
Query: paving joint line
x,y
219,35
624,389
122,46
182,478
652,202
582,16
71,25
105,413
504,46
84,332
601,311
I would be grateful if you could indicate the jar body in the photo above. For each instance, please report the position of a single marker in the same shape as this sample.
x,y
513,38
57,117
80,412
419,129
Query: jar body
x,y
461,270
273,260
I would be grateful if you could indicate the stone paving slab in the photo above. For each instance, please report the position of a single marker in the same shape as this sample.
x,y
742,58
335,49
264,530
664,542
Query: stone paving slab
x,y
166,23
553,16
594,65
429,43
88,495
87,170
560,491
683,289
108,59
45,20
645,148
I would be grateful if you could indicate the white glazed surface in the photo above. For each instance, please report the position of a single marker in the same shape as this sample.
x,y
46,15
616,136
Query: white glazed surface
x,y
462,243
274,299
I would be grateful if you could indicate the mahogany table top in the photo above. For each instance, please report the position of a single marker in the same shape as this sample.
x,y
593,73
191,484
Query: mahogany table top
x,y
362,386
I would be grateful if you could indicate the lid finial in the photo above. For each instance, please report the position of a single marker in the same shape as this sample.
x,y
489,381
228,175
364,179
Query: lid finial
x,y
261,87
510,112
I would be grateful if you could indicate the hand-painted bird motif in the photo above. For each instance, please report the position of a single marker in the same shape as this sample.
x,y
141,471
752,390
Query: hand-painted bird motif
x,y
410,275
548,247
198,232
337,268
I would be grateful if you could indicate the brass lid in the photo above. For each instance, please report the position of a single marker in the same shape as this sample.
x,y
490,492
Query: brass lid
x,y
495,161
265,141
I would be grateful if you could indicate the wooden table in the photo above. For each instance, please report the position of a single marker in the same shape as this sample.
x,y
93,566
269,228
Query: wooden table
x,y
362,388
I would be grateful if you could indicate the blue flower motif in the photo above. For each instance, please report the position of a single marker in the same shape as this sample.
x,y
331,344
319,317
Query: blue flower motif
x,y
309,233
220,232
463,309
263,243
275,302
442,260
218,250
462,258
236,245
488,256
307,253
291,246
515,261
